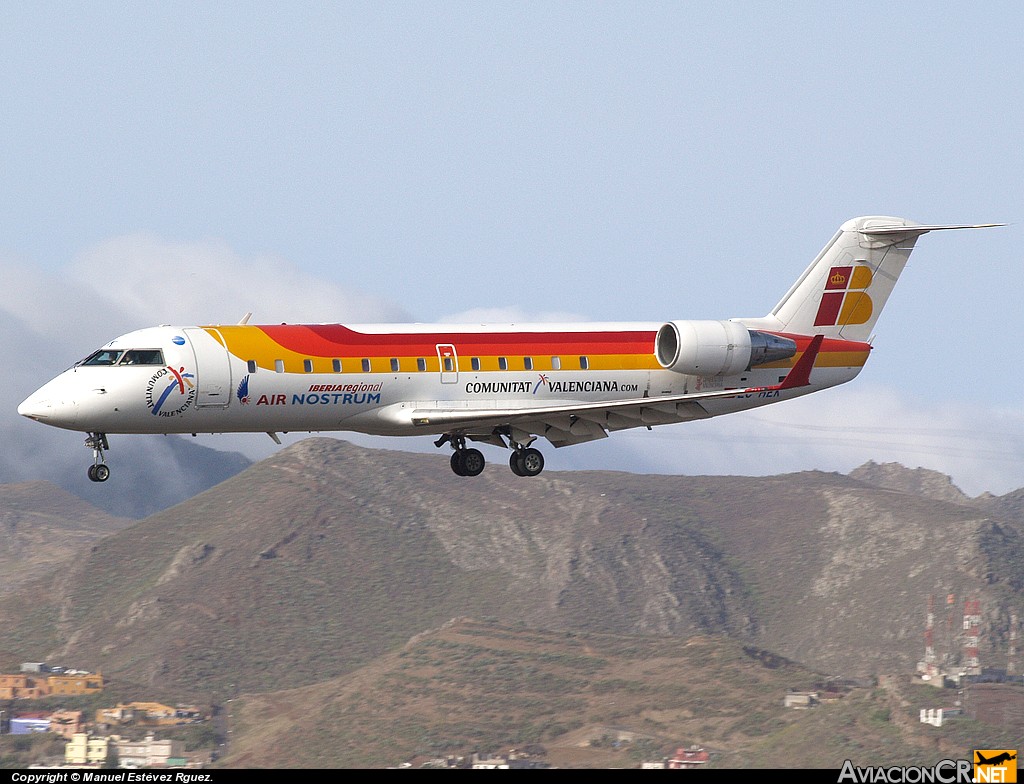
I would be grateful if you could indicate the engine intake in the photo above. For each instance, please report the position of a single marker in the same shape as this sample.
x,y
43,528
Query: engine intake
x,y
717,348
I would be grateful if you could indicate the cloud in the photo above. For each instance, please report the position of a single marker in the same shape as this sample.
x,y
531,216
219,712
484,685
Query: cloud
x,y
161,282
509,315
833,430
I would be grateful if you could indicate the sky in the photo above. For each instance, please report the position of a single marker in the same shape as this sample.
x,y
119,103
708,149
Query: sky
x,y
388,161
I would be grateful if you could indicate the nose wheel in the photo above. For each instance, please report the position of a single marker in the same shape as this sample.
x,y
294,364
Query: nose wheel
x,y
99,471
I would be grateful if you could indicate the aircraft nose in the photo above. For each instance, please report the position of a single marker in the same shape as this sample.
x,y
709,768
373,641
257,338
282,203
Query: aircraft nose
x,y
50,411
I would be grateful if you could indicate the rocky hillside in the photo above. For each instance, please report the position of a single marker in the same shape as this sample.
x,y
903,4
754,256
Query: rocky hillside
x,y
314,562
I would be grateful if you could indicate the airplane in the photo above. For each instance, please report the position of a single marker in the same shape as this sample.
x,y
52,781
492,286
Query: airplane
x,y
505,385
1006,756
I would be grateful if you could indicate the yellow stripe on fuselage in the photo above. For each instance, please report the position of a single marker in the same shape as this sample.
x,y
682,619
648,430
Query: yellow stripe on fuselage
x,y
251,344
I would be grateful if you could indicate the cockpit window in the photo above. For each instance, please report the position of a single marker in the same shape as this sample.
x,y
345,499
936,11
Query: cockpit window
x,y
105,356
132,356
142,356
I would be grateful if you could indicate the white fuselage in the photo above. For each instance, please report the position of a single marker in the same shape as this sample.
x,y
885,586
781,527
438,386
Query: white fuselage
x,y
202,387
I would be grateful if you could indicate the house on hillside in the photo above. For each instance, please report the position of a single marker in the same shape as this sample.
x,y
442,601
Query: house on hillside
x,y
939,716
75,683
24,686
149,753
85,749
27,723
693,757
152,714
800,699
31,686
66,723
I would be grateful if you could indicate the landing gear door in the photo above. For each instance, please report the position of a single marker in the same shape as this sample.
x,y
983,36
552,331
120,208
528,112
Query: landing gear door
x,y
213,367
449,363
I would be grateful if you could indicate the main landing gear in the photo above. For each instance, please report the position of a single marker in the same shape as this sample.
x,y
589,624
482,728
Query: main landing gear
x,y
98,471
524,460
468,462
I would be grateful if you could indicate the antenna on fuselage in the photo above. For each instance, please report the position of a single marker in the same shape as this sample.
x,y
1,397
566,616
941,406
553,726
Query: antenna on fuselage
x,y
245,318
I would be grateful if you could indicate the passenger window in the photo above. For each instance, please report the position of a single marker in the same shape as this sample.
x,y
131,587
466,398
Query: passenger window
x,y
475,362
307,365
449,364
421,364
528,363
502,363
556,363
366,366
251,364
394,365
336,364
279,366
584,363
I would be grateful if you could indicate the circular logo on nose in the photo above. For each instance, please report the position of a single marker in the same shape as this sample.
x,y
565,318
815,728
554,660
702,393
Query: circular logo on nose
x,y
178,340
170,392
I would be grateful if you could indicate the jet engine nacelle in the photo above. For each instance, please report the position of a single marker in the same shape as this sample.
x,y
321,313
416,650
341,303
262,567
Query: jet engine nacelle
x,y
717,348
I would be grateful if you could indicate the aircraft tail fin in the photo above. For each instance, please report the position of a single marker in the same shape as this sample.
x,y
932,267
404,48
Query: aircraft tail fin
x,y
843,291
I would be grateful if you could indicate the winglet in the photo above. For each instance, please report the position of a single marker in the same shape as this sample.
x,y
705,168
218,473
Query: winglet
x,y
245,318
800,375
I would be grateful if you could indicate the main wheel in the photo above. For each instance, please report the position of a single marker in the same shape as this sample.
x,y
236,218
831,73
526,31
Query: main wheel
x,y
472,462
531,461
456,463
515,463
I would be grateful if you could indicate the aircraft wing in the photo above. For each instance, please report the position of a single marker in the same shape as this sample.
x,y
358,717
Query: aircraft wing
x,y
576,423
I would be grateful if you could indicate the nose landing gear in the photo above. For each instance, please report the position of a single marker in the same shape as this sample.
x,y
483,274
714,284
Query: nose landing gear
x,y
98,471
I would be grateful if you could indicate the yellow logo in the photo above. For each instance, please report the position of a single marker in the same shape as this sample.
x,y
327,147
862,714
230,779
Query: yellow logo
x,y
995,765
845,299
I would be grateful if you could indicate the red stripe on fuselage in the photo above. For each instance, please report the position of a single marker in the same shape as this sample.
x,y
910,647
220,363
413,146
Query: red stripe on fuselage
x,y
828,345
336,340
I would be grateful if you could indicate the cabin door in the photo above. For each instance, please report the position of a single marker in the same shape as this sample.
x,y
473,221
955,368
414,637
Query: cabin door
x,y
213,368
449,361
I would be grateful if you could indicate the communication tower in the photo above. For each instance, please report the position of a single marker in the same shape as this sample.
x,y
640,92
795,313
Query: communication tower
x,y
1011,654
972,634
929,639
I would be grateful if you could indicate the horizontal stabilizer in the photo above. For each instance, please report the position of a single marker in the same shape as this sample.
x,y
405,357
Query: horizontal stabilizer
x,y
883,231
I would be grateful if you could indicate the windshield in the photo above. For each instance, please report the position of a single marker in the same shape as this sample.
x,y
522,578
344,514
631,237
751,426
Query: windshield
x,y
142,356
132,356
105,356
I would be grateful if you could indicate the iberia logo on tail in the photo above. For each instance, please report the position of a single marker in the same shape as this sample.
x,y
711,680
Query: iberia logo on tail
x,y
845,299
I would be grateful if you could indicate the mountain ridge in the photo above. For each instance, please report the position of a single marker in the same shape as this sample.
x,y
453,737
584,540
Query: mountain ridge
x,y
315,563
